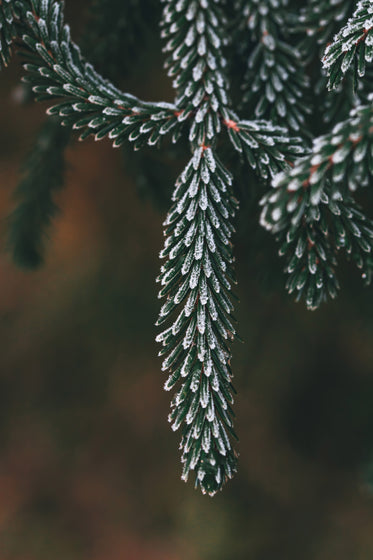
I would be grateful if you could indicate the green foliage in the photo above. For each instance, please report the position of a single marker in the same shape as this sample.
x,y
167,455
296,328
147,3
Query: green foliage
x,y
43,176
314,213
275,86
197,279
267,148
353,45
310,209
56,69
198,274
118,45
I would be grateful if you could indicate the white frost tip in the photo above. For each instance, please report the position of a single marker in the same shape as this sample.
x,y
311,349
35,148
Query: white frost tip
x,y
276,214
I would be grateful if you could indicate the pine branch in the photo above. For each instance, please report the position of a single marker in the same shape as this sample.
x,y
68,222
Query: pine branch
x,y
7,31
342,157
310,209
268,149
197,276
196,63
353,233
196,280
310,256
311,240
43,176
56,69
353,45
276,86
45,164
317,22
313,194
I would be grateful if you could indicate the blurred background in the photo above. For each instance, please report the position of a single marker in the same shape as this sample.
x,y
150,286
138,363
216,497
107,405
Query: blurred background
x,y
89,468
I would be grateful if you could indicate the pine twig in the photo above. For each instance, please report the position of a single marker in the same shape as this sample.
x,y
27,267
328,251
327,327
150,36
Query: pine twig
x,y
43,176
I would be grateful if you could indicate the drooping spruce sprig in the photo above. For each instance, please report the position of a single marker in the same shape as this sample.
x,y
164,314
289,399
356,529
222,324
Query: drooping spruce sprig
x,y
197,280
314,216
197,277
43,175
276,85
57,70
312,210
316,24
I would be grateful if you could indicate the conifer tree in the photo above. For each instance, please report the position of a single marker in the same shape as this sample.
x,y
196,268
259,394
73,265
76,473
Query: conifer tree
x,y
267,119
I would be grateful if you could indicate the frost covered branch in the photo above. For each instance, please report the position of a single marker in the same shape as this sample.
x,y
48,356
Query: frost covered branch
x,y
314,214
353,44
310,208
275,86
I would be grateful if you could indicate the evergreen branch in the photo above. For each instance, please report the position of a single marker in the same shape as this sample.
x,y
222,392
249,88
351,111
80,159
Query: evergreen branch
x,y
343,157
196,281
310,209
309,253
314,194
198,68
56,69
195,35
353,45
43,176
7,31
43,168
267,148
353,232
198,274
276,86
310,237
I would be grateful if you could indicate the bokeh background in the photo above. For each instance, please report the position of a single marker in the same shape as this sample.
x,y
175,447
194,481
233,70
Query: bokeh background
x,y
89,468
